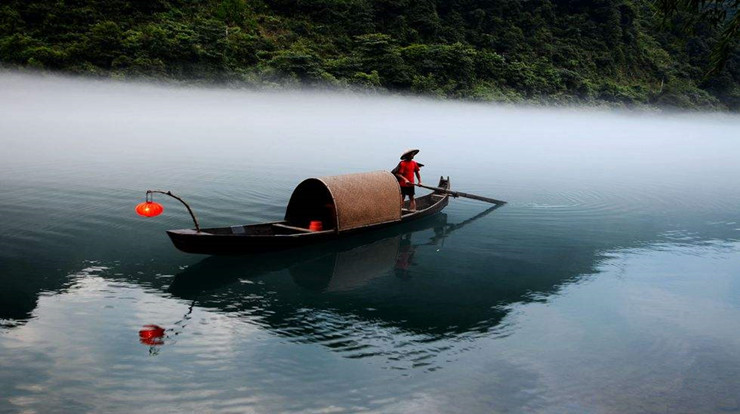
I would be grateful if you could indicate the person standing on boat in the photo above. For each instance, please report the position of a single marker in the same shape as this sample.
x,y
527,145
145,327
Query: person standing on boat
x,y
405,171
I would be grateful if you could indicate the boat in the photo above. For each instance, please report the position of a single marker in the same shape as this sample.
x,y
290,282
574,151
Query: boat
x,y
319,210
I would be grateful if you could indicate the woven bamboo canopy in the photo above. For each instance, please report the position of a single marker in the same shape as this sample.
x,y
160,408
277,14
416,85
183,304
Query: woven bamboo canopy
x,y
346,202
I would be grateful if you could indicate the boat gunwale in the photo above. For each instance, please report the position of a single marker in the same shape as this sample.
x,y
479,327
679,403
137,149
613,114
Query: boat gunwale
x,y
404,218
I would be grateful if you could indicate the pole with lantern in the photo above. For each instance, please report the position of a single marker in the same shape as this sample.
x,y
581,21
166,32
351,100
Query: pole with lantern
x,y
149,208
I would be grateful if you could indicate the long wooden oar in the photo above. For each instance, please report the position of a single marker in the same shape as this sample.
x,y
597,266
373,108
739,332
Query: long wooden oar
x,y
461,194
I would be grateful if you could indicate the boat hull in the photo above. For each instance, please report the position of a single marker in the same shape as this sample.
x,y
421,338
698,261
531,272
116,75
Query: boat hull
x,y
205,242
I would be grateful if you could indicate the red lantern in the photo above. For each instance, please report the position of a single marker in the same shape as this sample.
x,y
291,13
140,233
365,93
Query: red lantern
x,y
152,335
149,209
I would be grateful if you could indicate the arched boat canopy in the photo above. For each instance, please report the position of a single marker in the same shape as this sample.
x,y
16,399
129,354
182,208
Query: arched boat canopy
x,y
346,202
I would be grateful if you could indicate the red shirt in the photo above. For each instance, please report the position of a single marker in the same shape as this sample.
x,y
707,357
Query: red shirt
x,y
407,169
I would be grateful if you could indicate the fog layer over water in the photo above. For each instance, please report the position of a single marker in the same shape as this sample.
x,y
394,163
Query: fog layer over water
x,y
609,283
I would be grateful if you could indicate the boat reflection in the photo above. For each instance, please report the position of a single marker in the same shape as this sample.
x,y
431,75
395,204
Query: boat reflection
x,y
351,268
396,279
349,261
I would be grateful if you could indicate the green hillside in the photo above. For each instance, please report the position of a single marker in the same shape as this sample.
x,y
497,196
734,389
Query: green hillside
x,y
563,51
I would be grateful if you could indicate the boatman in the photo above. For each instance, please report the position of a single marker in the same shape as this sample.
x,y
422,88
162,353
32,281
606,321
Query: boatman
x,y
405,171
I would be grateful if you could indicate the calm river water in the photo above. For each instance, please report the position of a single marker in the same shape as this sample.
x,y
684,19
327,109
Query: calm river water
x,y
609,283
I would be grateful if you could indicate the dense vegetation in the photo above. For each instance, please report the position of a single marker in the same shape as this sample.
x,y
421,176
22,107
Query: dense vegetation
x,y
616,51
721,14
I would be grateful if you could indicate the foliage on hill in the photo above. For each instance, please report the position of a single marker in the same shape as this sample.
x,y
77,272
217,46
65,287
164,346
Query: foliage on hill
x,y
721,14
566,51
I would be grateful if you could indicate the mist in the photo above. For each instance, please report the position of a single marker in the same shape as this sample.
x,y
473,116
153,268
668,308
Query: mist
x,y
53,123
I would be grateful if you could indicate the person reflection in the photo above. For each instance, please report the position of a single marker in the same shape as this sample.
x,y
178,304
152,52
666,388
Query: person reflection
x,y
404,257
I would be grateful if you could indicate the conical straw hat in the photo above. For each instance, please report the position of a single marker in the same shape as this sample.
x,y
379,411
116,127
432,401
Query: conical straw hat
x,y
411,152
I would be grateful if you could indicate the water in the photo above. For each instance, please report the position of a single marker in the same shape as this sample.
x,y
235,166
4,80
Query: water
x,y
609,283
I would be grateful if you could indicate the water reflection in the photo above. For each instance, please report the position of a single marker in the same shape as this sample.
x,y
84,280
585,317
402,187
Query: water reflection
x,y
346,294
357,264
154,336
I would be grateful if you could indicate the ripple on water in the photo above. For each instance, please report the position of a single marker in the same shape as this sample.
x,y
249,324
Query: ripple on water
x,y
611,205
356,338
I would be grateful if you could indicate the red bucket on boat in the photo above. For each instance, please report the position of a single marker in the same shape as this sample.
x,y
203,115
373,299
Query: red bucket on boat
x,y
316,225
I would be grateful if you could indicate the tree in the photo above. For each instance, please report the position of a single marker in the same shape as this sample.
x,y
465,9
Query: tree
x,y
721,14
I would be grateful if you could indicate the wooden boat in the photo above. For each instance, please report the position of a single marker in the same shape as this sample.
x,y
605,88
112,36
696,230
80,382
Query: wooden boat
x,y
343,204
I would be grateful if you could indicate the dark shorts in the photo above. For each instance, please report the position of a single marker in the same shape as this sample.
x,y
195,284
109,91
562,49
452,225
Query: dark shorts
x,y
407,191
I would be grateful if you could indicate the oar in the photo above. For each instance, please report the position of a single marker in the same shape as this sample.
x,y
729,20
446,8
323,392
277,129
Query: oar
x,y
461,194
